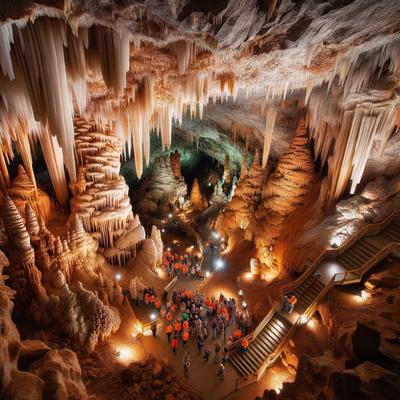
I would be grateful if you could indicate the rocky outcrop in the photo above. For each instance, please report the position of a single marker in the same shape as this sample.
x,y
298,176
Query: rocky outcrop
x,y
29,368
105,377
197,199
23,191
161,189
238,215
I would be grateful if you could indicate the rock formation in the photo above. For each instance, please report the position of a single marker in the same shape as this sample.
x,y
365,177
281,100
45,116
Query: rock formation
x,y
284,192
239,212
101,195
45,373
161,189
196,197
175,159
218,197
22,190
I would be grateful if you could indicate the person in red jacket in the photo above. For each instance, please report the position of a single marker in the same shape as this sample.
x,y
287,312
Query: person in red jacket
x,y
178,328
174,344
245,345
168,331
185,338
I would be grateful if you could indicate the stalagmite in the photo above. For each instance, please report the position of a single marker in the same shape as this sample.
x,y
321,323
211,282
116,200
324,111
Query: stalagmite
x,y
269,128
195,195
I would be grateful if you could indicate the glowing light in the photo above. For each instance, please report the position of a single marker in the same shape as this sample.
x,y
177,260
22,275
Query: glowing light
x,y
215,235
207,274
118,276
168,248
312,323
303,319
219,263
240,293
248,276
209,184
153,316
170,215
364,295
124,353
244,304
163,230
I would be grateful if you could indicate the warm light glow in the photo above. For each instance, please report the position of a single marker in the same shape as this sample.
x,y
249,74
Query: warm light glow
x,y
124,353
244,304
240,293
207,274
153,316
248,276
170,215
118,276
215,235
312,323
219,263
363,296
303,319
163,230
168,248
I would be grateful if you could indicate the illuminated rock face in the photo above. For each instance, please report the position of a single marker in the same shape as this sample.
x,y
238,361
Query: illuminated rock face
x,y
47,373
101,198
161,189
22,190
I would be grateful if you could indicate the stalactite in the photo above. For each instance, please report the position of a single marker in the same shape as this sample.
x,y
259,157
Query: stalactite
x,y
269,128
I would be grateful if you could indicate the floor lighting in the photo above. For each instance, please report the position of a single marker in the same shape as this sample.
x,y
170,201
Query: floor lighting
x,y
244,304
118,276
219,263
207,274
152,316
240,293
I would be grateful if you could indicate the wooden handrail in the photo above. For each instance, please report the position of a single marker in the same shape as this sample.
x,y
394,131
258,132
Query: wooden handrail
x,y
332,252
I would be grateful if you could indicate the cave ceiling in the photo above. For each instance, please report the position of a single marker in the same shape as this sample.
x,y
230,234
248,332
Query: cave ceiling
x,y
142,66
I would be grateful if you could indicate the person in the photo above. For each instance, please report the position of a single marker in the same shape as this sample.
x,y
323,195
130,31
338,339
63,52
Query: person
x,y
245,345
174,344
225,355
237,334
185,338
217,349
168,331
207,351
154,328
200,344
221,371
285,304
178,328
292,303
186,364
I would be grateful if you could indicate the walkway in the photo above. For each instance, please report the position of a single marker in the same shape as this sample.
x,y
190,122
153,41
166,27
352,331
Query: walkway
x,y
355,258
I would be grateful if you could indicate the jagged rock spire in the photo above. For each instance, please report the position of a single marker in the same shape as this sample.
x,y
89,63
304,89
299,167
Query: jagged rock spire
x,y
76,228
31,222
14,225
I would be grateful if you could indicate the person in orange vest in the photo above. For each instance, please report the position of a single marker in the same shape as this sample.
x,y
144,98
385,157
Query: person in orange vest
x,y
157,303
168,331
185,338
178,328
152,299
146,298
292,303
245,345
169,317
173,307
185,325
237,334
174,344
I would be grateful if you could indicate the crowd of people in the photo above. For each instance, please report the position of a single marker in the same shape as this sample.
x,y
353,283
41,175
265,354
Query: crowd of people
x,y
203,320
187,265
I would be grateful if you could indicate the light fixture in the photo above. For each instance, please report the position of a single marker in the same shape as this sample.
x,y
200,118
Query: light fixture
x,y
170,215
163,230
219,263
118,276
244,304
168,248
124,353
364,294
152,316
240,293
303,319
207,274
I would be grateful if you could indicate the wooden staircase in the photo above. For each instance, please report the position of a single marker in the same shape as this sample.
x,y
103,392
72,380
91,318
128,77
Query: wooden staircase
x,y
357,256
265,343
